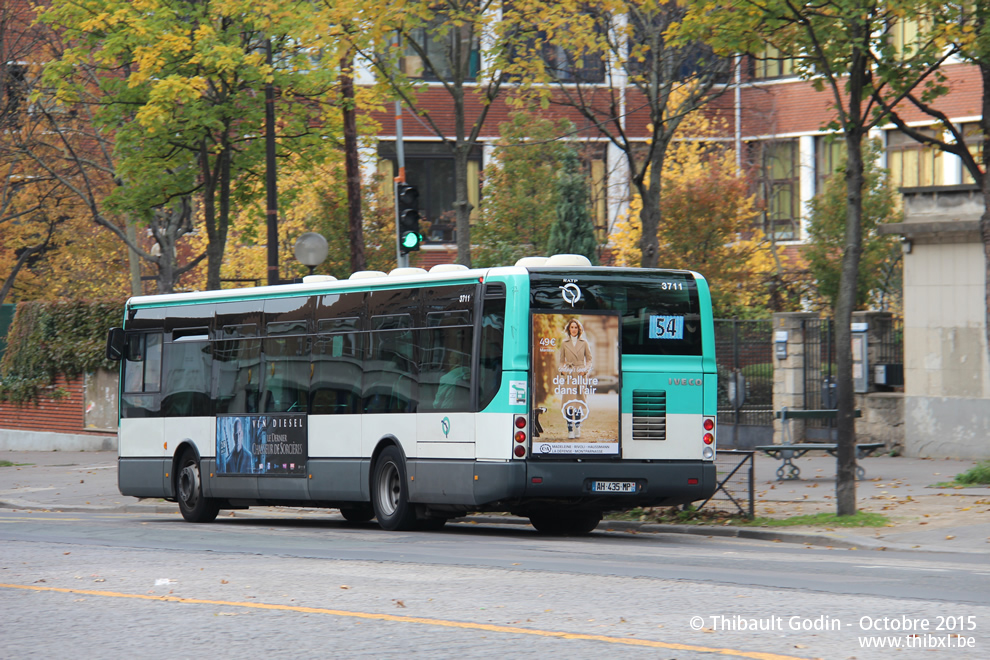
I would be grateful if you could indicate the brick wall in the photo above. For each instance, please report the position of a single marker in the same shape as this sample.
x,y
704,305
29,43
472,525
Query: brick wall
x,y
65,415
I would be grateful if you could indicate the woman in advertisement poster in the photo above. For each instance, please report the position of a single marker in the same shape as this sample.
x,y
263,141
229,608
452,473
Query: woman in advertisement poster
x,y
574,360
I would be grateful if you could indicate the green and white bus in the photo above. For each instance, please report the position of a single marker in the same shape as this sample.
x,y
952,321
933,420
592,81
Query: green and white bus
x,y
551,389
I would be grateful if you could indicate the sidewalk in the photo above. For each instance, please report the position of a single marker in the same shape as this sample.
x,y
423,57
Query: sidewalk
x,y
922,518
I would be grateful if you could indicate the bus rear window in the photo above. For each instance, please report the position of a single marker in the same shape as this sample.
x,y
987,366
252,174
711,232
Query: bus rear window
x,y
659,309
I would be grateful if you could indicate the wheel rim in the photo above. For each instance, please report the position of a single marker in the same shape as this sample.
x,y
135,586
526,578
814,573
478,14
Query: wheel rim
x,y
389,488
189,485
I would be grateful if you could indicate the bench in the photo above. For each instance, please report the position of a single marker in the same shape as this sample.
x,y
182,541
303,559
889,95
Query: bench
x,y
787,451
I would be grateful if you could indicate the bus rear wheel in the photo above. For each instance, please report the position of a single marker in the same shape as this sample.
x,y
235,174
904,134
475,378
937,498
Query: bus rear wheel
x,y
189,492
390,492
566,523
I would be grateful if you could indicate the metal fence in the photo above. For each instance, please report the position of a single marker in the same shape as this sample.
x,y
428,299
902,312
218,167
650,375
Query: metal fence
x,y
734,495
891,345
744,353
819,369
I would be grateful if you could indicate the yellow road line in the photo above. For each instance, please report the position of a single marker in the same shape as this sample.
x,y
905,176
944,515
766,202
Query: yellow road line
x,y
754,655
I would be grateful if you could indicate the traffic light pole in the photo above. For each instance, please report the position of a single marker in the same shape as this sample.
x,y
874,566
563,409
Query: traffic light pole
x,y
401,260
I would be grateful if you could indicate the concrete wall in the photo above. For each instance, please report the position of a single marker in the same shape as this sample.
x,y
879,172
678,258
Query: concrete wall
x,y
946,366
19,440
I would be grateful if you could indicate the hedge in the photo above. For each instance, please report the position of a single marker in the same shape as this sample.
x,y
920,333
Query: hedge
x,y
51,338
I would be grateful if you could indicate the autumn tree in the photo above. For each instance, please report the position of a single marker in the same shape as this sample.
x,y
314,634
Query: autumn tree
x,y
457,45
709,226
840,46
181,91
519,201
610,61
880,262
966,26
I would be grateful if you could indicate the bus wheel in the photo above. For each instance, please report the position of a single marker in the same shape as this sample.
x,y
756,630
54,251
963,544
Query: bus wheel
x,y
193,506
357,513
574,523
390,492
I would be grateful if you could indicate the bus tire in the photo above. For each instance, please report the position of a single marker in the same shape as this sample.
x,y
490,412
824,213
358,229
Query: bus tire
x,y
390,492
189,492
358,513
565,523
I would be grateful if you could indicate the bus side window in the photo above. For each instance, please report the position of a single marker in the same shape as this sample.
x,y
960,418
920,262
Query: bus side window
x,y
287,361
490,359
186,369
142,375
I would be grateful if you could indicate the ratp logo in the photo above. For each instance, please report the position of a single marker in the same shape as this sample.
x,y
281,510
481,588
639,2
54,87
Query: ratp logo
x,y
571,293
445,426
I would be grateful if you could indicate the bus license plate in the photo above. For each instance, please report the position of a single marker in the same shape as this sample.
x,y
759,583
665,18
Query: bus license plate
x,y
613,486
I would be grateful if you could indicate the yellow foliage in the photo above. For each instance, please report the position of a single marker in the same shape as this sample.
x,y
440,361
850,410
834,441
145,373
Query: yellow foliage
x,y
707,222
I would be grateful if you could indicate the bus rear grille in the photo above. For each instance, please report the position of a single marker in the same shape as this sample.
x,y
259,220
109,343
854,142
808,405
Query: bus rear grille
x,y
649,415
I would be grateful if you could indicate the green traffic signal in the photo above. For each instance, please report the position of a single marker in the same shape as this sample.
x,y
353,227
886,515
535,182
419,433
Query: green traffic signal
x,y
411,240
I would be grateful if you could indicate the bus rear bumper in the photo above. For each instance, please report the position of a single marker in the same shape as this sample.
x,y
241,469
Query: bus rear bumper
x,y
509,484
666,483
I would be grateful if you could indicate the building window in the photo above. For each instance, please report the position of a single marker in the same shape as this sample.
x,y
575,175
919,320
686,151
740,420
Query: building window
x,y
911,163
973,135
430,168
770,63
780,189
432,52
562,65
830,151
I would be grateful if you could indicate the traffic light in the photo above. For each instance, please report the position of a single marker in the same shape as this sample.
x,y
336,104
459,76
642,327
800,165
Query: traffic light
x,y
409,236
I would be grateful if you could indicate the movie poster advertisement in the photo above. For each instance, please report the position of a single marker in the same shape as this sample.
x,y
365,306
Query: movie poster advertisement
x,y
262,444
576,371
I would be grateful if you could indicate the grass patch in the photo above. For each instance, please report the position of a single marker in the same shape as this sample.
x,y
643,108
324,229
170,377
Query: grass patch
x,y
676,516
9,464
858,519
978,475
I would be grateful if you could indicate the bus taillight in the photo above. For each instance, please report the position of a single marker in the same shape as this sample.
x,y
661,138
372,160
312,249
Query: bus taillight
x,y
519,436
708,453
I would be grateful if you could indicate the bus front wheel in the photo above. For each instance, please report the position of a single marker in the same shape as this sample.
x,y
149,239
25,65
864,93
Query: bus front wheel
x,y
575,523
189,492
390,492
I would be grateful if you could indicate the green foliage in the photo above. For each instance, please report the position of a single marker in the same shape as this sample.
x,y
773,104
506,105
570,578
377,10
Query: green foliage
x,y
51,338
880,263
573,232
519,204
978,474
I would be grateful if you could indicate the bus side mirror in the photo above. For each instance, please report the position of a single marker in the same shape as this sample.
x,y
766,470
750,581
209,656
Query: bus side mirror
x,y
115,344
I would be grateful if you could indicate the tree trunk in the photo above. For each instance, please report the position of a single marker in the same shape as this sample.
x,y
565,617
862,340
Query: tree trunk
x,y
650,216
845,480
462,205
355,230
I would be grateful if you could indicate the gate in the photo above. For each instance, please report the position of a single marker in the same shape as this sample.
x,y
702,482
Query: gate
x,y
819,376
744,354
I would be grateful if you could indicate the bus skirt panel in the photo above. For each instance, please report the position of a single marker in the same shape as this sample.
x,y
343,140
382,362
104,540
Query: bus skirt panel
x,y
144,477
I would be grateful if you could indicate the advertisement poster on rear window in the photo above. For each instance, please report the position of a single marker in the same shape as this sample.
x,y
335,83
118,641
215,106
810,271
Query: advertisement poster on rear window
x,y
575,384
262,444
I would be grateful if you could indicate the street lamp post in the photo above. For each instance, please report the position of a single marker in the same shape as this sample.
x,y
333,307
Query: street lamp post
x,y
311,249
